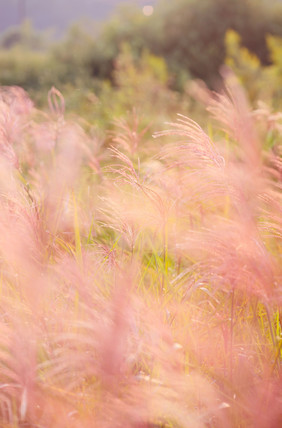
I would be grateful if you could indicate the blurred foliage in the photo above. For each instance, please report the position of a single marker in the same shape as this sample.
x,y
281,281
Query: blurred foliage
x,y
193,32
245,64
25,68
181,40
72,57
189,34
261,81
25,37
139,84
135,80
275,47
128,25
36,64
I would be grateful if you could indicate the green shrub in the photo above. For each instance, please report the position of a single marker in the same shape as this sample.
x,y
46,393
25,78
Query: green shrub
x,y
261,81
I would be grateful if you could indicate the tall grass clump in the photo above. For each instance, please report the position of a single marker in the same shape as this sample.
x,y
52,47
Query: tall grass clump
x,y
140,281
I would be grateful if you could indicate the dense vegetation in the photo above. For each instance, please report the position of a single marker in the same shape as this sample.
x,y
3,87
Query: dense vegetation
x,y
189,35
140,250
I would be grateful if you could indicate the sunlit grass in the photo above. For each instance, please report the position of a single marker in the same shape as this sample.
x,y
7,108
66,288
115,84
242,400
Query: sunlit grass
x,y
140,278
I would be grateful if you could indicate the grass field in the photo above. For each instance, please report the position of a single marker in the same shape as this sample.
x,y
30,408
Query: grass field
x,y
140,271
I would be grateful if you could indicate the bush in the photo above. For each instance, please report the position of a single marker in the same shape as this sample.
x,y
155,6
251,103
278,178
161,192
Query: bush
x,y
191,33
261,81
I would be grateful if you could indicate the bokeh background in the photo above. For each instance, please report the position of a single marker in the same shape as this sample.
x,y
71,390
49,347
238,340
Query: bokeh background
x,y
83,45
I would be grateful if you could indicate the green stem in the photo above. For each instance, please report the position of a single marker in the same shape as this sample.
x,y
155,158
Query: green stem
x,y
231,333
